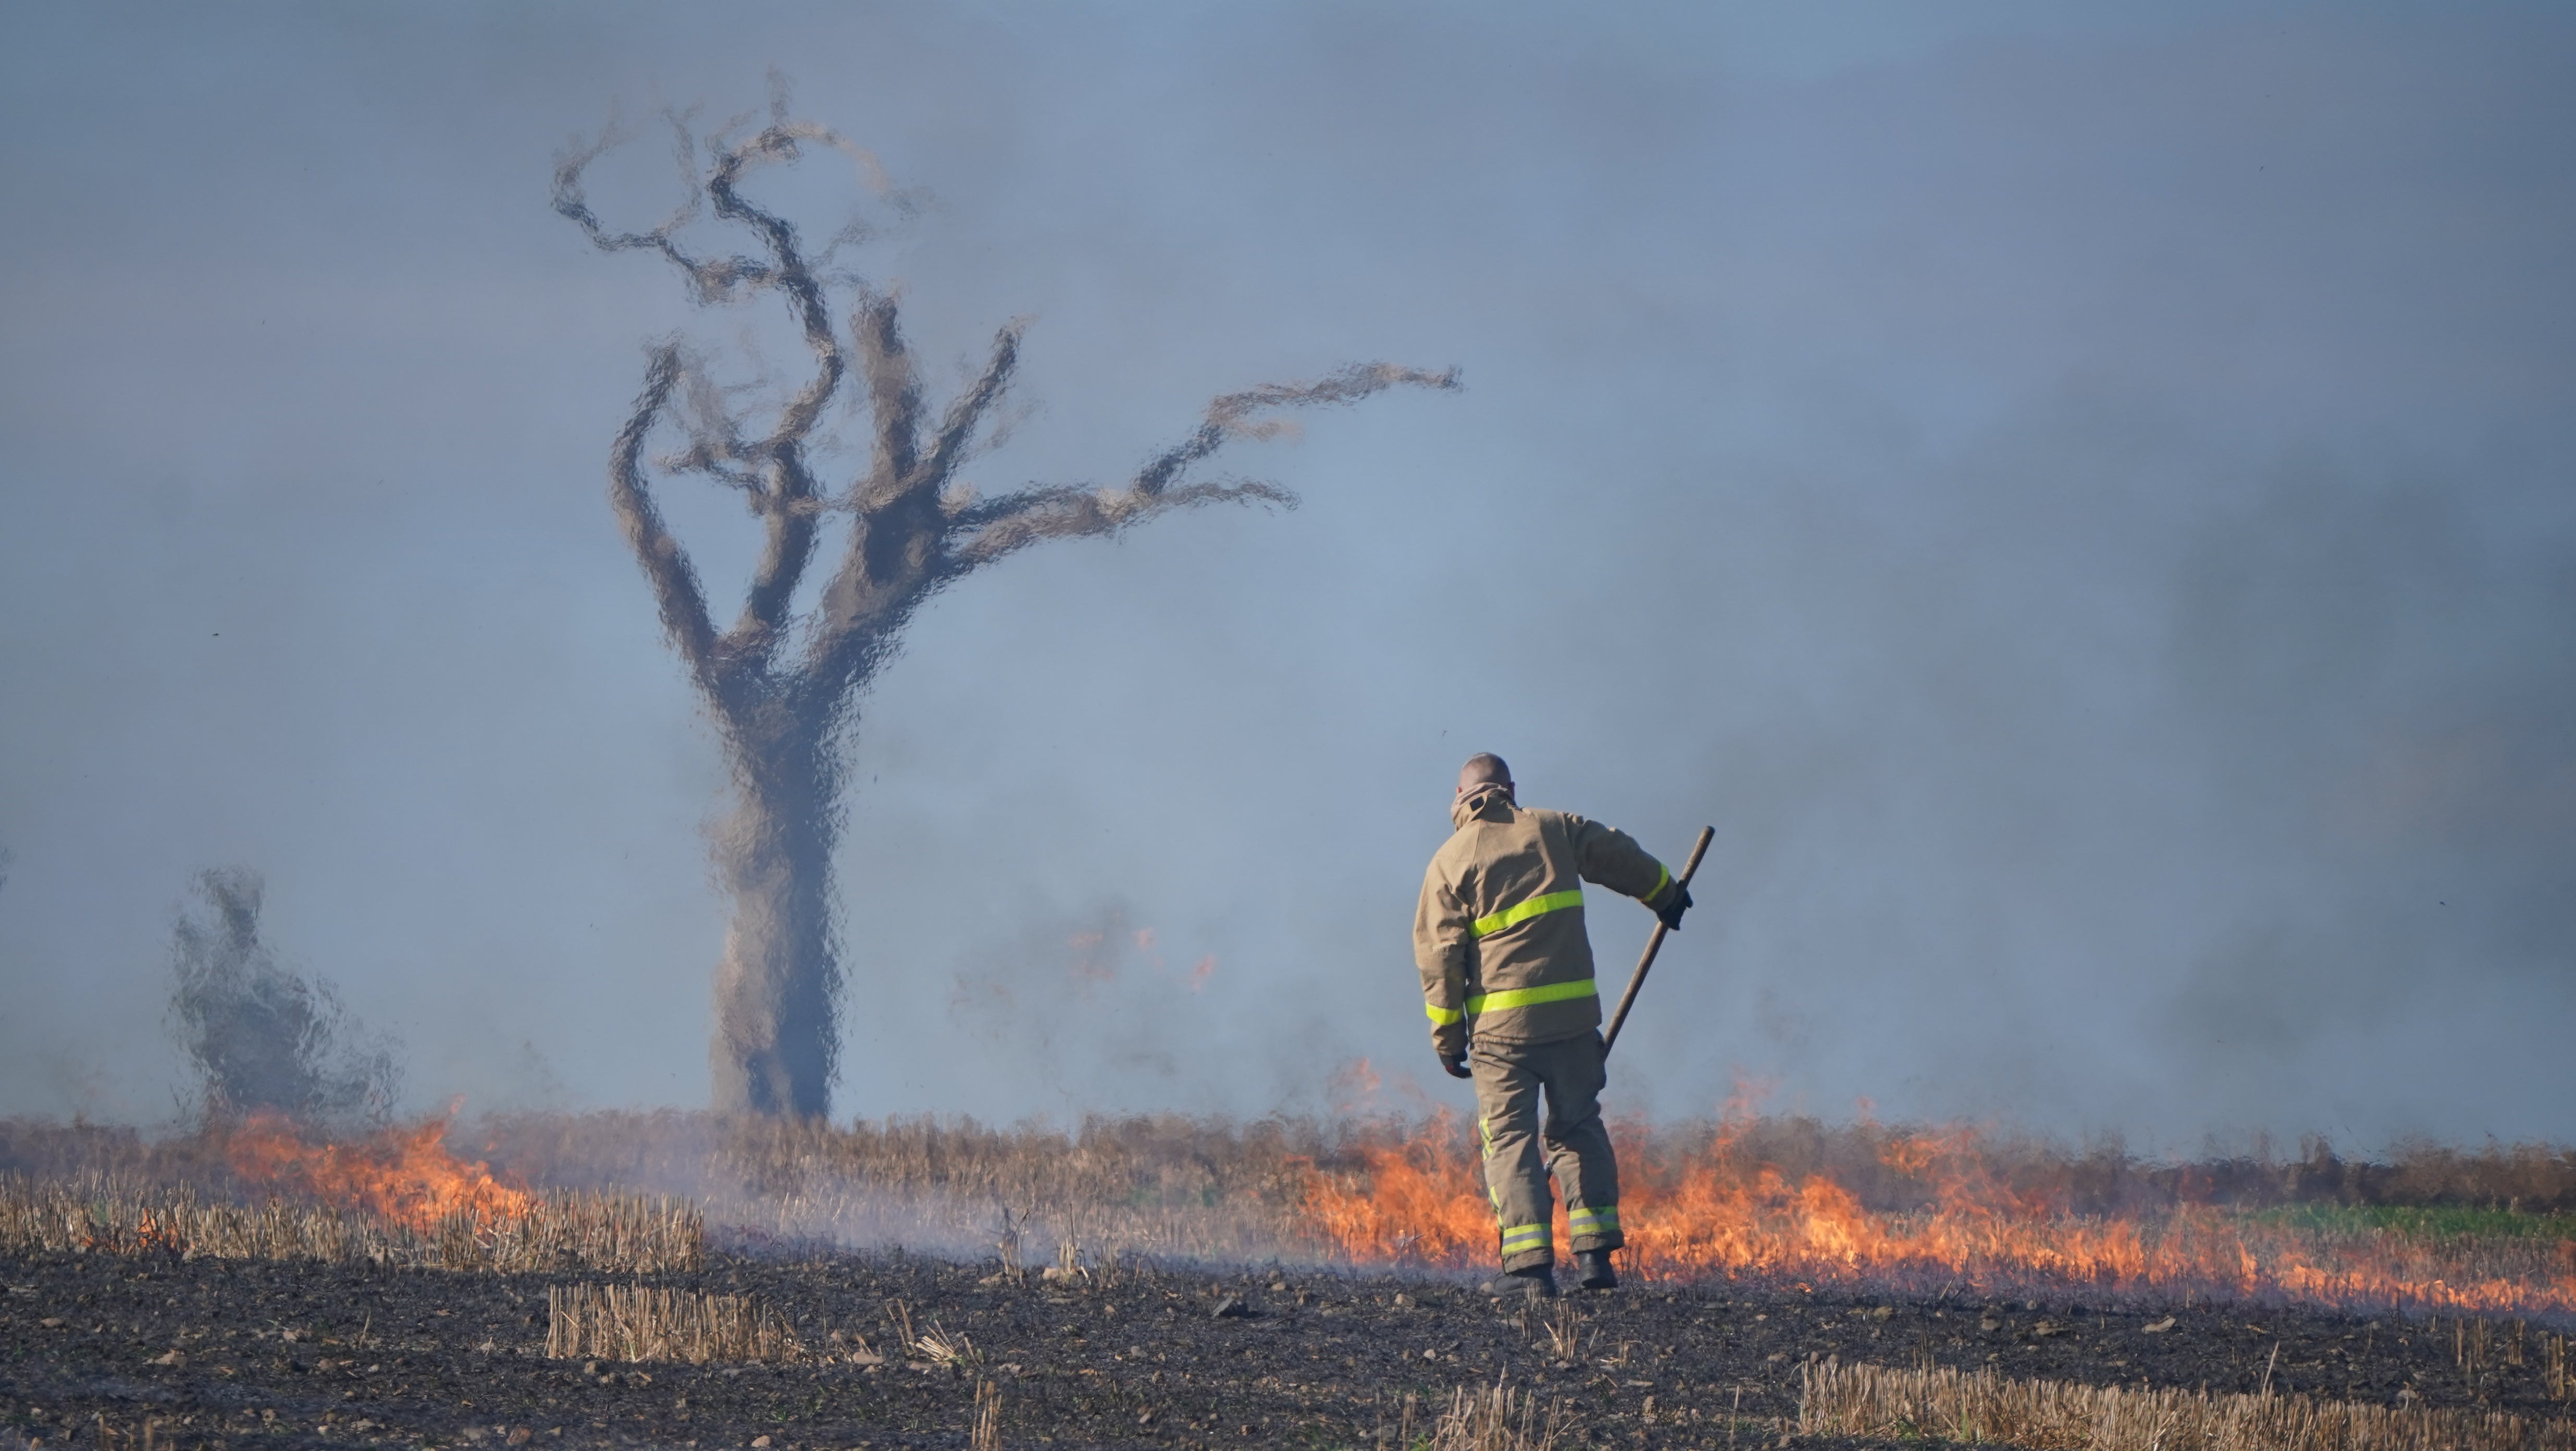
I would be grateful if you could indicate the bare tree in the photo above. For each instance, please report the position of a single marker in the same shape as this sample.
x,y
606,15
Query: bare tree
x,y
782,685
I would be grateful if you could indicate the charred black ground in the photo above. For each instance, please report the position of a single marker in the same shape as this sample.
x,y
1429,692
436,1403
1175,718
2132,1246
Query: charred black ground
x,y
301,1354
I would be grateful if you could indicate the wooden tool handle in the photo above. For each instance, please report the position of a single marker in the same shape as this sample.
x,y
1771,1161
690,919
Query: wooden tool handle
x,y
1654,944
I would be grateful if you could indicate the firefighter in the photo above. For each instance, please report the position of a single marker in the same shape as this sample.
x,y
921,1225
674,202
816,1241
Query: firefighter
x,y
1507,981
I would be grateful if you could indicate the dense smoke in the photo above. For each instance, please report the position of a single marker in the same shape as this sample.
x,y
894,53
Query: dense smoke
x,y
2076,496
261,1038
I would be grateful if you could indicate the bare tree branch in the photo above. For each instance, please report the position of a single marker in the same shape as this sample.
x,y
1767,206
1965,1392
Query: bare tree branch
x,y
676,594
709,281
716,448
984,532
1013,523
957,430
770,469
791,498
1235,415
894,397
785,552
787,269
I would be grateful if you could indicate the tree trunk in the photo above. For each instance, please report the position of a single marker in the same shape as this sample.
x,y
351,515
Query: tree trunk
x,y
777,990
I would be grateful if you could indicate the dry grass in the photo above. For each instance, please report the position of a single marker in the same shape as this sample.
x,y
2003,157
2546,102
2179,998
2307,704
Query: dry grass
x,y
1166,1184
622,1233
2482,1347
945,1348
1497,1418
2044,1415
639,1323
1563,1326
1169,1161
984,1433
1881,1164
1182,1188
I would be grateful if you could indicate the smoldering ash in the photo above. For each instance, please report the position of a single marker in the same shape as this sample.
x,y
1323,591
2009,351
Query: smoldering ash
x,y
782,685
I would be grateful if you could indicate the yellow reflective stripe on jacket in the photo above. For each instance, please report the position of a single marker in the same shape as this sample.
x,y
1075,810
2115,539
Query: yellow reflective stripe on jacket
x,y
1518,1237
1592,1221
1443,1016
1663,877
1522,912
1526,997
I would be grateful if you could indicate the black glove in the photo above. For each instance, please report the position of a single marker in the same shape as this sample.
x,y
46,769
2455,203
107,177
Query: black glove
x,y
1456,1067
1671,912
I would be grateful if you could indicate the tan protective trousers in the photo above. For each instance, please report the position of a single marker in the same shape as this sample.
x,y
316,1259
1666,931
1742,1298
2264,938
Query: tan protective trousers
x,y
1519,1154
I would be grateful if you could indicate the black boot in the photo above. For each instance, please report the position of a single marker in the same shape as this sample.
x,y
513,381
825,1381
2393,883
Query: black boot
x,y
1593,1272
1538,1282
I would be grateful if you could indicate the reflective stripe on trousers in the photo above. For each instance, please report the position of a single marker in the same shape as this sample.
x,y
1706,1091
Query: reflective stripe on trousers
x,y
1493,1191
1586,1223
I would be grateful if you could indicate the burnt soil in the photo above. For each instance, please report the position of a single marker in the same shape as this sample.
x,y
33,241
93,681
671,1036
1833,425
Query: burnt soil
x,y
235,1353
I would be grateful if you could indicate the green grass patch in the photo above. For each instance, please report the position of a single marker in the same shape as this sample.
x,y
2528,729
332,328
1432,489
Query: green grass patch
x,y
2440,1221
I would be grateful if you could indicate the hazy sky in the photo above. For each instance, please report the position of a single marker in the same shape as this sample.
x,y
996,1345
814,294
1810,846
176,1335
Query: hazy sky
x,y
2077,495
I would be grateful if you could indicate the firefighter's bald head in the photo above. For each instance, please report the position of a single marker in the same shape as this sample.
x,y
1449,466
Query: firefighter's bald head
x,y
1484,769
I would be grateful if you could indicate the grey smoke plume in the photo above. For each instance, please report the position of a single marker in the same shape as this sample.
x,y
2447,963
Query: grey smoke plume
x,y
2077,495
263,1039
782,687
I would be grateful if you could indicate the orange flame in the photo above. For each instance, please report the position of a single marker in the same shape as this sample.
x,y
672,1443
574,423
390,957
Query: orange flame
x,y
403,1175
1416,1199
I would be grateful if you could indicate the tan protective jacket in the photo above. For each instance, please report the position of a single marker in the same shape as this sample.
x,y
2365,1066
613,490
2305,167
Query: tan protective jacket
x,y
1499,933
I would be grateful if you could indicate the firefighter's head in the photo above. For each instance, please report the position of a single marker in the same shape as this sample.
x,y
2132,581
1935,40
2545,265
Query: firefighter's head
x,y
1484,769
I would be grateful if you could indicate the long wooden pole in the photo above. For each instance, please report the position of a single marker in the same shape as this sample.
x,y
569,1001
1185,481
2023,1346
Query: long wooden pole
x,y
1654,944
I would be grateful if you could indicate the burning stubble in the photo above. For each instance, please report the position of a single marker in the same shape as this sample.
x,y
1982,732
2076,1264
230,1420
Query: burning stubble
x,y
1772,1200
2031,1285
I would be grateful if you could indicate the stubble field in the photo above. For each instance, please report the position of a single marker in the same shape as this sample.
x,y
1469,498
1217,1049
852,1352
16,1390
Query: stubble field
x,y
301,1353
118,1330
